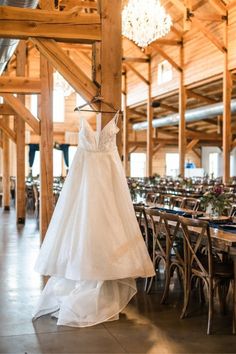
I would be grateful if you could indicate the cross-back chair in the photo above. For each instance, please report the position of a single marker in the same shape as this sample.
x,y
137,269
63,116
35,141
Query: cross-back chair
x,y
203,265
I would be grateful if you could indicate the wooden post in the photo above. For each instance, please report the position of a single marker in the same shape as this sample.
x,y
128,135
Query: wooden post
x,y
20,141
125,128
227,85
111,58
182,104
6,168
46,139
149,121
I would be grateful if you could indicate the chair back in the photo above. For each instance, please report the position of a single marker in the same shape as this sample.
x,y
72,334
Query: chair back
x,y
190,203
171,229
154,222
198,247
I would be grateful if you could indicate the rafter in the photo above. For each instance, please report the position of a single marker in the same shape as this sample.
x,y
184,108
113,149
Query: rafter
x,y
218,6
64,26
67,68
214,40
23,112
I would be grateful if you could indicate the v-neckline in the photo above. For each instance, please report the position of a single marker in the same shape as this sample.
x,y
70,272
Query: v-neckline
x,y
96,132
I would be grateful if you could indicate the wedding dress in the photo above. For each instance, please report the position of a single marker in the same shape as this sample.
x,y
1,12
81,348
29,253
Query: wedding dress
x,y
93,249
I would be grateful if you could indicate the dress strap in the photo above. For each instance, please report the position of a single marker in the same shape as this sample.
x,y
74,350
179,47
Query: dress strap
x,y
116,117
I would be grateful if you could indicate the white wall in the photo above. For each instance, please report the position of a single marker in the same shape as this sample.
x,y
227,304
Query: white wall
x,y
206,150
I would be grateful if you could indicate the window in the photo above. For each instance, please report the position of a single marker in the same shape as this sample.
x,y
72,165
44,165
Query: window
x,y
213,164
58,105
36,165
164,73
79,100
138,165
34,105
172,164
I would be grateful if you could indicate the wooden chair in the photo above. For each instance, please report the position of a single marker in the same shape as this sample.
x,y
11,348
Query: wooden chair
x,y
174,260
176,201
203,265
190,203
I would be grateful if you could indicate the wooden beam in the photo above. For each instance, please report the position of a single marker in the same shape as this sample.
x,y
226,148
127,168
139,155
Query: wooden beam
x,y
231,5
111,69
67,68
166,56
135,60
5,109
179,5
157,147
23,84
209,17
196,153
46,139
214,40
199,97
81,4
149,121
182,106
227,88
169,108
18,103
71,26
172,42
7,130
218,6
6,164
20,109
137,73
191,144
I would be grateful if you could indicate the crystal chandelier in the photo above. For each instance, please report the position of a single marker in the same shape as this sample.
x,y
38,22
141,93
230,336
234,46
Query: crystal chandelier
x,y
144,21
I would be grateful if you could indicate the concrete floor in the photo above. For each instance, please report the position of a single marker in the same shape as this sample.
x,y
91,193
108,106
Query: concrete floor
x,y
144,326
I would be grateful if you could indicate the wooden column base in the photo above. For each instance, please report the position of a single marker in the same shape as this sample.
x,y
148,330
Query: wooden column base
x,y
6,208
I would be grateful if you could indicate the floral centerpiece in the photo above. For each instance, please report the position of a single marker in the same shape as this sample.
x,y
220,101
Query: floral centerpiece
x,y
215,201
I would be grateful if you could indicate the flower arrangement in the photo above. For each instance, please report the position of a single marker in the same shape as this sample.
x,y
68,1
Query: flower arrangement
x,y
216,200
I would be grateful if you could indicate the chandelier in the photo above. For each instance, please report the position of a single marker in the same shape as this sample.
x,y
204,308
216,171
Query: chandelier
x,y
144,21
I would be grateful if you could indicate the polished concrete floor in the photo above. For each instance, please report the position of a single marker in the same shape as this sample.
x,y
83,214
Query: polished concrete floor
x,y
144,326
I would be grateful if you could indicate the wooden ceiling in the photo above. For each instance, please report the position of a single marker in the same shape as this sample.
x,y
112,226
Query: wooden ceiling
x,y
202,92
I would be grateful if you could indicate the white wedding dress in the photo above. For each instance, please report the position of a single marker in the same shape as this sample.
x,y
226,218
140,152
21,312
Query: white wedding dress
x,y
93,249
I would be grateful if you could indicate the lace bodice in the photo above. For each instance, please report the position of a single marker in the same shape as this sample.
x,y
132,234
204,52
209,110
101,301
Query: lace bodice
x,y
103,141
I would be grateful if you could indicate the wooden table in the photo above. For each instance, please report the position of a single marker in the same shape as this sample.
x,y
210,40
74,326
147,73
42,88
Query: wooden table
x,y
222,240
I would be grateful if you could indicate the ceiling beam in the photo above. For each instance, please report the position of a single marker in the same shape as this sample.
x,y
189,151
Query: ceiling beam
x,y
137,73
67,68
64,26
19,84
231,5
23,112
135,60
199,97
213,39
218,6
